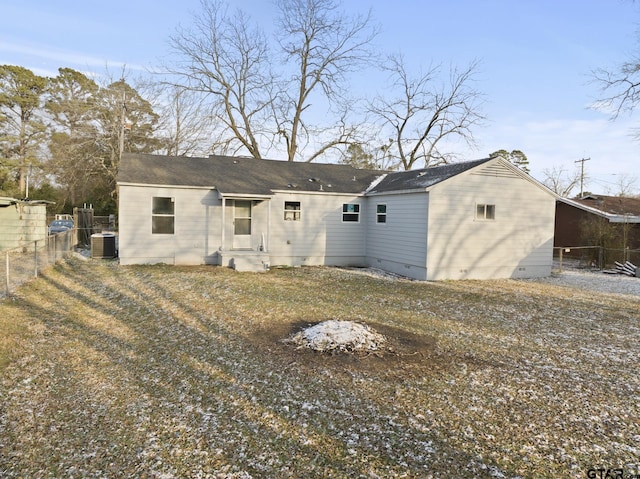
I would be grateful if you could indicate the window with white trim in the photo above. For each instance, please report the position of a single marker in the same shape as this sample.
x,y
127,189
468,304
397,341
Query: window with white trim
x,y
292,211
162,215
351,213
381,213
485,212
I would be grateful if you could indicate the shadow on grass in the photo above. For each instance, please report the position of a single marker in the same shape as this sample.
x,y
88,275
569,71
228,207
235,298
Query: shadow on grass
x,y
148,371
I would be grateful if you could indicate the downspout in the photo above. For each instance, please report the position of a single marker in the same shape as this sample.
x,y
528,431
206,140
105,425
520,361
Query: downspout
x,y
222,216
266,247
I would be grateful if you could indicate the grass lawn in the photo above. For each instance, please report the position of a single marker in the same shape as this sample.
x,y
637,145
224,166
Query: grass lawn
x,y
163,372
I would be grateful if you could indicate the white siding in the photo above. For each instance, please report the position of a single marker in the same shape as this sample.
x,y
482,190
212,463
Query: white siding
x,y
428,235
518,243
22,223
400,244
197,235
320,237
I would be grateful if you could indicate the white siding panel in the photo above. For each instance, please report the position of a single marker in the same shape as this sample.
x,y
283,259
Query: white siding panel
x,y
197,235
400,244
22,223
320,237
518,243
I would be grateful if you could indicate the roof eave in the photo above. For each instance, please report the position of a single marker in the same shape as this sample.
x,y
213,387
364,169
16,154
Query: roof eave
x,y
319,192
624,219
245,196
160,185
398,192
588,209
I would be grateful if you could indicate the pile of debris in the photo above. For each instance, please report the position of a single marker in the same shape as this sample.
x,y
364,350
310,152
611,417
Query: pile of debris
x,y
338,336
627,268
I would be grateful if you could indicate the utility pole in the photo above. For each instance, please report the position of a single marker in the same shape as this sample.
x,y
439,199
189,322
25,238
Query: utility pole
x,y
582,174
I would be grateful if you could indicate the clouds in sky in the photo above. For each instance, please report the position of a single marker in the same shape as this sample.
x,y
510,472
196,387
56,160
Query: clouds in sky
x,y
49,58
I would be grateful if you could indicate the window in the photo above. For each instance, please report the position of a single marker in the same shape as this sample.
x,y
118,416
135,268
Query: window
x,y
292,211
485,212
162,216
381,213
351,212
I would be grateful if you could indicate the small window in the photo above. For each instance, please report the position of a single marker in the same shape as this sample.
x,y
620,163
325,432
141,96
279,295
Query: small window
x,y
162,215
381,213
292,211
486,212
351,212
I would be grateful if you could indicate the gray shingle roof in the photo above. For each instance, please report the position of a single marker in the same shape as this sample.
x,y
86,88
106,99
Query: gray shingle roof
x,y
250,176
424,178
233,175
615,205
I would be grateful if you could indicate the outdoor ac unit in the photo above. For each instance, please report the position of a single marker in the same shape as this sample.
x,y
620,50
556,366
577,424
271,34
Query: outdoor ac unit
x,y
103,245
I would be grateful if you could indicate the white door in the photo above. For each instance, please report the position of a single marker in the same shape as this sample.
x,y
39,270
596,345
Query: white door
x,y
242,224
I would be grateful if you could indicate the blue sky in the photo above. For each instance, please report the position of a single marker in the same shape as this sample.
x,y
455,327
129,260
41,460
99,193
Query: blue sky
x,y
536,59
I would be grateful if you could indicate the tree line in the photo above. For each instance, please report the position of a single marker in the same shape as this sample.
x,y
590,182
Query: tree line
x,y
61,138
228,87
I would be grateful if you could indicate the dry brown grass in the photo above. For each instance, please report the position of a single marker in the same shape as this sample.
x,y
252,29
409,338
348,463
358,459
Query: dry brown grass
x,y
157,371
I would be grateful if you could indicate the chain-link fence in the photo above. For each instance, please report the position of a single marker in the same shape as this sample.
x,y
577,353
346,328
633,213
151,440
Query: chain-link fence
x,y
25,262
593,257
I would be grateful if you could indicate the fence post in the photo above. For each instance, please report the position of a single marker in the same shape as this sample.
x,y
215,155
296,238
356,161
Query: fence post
x,y
601,257
35,258
560,259
7,275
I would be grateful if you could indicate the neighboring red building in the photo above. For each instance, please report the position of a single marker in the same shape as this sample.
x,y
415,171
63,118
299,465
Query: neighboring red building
x,y
596,220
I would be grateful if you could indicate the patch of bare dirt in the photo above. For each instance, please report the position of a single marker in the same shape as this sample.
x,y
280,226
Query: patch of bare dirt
x,y
405,354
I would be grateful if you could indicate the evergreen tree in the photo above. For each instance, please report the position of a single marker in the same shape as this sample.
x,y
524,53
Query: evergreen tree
x,y
92,127
516,157
21,126
73,146
127,123
357,157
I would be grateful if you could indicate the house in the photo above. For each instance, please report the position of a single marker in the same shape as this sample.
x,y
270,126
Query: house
x,y
478,219
21,222
597,220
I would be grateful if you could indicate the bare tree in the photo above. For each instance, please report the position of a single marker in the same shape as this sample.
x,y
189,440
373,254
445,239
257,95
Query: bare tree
x,y
185,125
621,87
323,46
625,185
229,59
621,94
426,111
321,140
560,181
